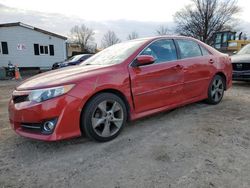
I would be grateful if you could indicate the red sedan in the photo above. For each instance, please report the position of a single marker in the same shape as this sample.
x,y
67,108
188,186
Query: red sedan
x,y
124,82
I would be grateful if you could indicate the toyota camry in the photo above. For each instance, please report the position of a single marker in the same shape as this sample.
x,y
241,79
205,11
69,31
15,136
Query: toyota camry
x,y
124,82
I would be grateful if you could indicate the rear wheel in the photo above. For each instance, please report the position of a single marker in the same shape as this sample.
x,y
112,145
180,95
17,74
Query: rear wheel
x,y
104,117
216,90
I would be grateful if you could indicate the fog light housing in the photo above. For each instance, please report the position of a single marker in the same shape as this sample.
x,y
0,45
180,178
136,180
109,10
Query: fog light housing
x,y
49,126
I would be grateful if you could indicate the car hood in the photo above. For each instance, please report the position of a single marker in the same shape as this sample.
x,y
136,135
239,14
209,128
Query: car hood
x,y
245,58
58,77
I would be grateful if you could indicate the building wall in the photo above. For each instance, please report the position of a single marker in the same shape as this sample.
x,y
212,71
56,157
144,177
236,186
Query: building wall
x,y
73,48
24,56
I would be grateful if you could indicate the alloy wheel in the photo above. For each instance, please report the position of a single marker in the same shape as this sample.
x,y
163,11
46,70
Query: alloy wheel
x,y
217,90
107,118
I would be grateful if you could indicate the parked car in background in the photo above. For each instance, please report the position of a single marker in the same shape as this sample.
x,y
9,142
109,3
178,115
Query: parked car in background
x,y
74,60
241,64
124,82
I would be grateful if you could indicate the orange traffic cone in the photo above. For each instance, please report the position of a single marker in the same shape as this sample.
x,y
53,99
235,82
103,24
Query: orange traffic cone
x,y
17,73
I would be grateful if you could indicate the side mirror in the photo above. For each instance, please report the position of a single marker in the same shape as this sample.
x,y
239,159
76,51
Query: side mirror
x,y
144,60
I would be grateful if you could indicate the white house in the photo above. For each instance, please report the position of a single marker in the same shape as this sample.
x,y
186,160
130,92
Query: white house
x,y
30,47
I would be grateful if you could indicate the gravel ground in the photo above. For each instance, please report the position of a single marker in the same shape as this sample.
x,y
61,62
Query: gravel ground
x,y
194,146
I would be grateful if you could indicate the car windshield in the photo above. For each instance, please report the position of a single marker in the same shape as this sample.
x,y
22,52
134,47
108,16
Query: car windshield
x,y
245,50
114,54
75,58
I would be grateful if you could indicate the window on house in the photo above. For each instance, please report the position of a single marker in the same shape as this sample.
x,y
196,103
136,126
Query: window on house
x,y
46,49
51,50
41,49
36,49
4,48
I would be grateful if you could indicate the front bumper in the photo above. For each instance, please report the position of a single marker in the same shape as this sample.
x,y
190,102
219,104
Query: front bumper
x,y
66,109
241,75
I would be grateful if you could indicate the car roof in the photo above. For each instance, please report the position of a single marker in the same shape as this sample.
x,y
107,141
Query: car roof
x,y
153,38
164,36
81,55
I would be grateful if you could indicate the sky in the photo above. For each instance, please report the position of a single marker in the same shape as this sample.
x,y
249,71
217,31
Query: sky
x,y
122,16
99,10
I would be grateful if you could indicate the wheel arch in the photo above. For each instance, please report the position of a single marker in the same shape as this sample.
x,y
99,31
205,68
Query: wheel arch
x,y
113,91
224,78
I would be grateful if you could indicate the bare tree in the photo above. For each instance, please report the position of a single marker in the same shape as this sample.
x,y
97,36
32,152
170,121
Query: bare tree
x,y
82,35
110,39
162,30
204,17
133,35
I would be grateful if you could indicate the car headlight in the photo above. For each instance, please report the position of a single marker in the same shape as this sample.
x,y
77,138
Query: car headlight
x,y
49,93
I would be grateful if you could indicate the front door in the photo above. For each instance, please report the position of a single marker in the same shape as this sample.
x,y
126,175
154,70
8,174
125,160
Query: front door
x,y
158,84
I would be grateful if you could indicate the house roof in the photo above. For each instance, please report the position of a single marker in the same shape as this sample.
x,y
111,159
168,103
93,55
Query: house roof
x,y
32,28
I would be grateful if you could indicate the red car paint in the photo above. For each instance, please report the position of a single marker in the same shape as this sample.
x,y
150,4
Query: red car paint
x,y
146,89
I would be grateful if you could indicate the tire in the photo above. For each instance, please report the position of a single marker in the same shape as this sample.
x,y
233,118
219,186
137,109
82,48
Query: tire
x,y
11,74
216,90
104,117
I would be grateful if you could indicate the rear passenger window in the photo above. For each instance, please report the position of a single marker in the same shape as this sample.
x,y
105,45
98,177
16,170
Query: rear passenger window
x,y
188,49
162,50
204,51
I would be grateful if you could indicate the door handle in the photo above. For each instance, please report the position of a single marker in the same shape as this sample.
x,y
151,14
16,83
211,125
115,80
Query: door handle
x,y
211,61
178,67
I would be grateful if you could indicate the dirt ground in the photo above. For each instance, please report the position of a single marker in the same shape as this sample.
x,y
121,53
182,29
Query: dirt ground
x,y
194,146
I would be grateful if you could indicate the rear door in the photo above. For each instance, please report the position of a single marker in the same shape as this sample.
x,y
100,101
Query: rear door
x,y
161,83
198,68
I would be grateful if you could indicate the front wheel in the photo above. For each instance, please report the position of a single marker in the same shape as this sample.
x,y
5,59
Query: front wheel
x,y
216,90
104,117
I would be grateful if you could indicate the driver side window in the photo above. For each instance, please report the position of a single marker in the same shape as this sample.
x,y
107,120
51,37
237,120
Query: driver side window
x,y
162,50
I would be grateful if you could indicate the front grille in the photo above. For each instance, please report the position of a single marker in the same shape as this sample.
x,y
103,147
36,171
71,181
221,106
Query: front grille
x,y
240,76
20,98
241,66
32,127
